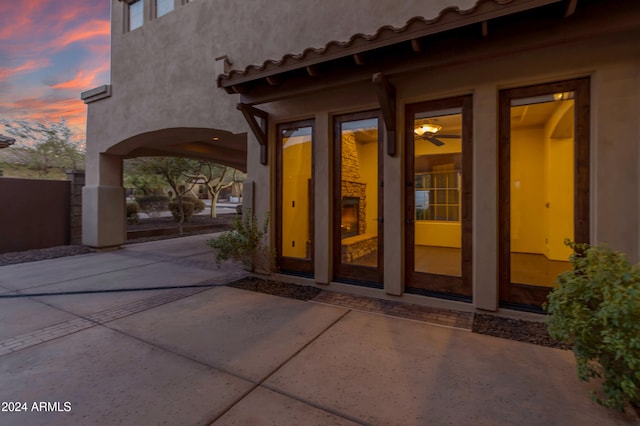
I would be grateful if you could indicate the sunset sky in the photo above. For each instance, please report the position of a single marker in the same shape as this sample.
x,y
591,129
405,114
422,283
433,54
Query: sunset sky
x,y
50,52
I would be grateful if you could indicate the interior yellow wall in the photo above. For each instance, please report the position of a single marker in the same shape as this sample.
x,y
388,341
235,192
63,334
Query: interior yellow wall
x,y
296,172
451,146
438,234
528,191
368,160
560,182
542,171
432,233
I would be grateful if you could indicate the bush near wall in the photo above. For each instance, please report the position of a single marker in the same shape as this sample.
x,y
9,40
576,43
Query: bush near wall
x,y
596,308
187,209
191,205
198,204
153,205
132,212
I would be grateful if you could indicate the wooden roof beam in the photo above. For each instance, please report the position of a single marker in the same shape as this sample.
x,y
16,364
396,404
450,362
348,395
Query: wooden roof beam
x,y
485,28
571,8
360,58
274,80
416,45
239,88
313,70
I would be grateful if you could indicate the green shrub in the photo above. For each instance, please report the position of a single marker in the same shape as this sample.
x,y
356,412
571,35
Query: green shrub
x,y
247,242
187,208
198,204
132,212
153,205
596,308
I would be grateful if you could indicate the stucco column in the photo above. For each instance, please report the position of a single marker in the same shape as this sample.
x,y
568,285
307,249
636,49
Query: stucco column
x,y
393,178
485,187
323,244
76,180
615,151
104,222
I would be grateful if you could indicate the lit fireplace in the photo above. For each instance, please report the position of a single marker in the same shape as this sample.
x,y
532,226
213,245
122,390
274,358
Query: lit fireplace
x,y
349,224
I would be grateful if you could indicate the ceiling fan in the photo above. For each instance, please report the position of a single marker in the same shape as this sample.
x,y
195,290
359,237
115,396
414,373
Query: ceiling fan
x,y
428,132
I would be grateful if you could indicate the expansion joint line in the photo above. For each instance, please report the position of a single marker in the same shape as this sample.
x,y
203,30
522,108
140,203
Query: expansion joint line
x,y
261,383
80,323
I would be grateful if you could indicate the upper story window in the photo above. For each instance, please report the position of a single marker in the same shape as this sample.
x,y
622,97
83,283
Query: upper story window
x,y
163,7
136,14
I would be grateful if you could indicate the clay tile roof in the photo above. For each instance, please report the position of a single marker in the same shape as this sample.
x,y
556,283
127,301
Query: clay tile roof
x,y
5,141
448,18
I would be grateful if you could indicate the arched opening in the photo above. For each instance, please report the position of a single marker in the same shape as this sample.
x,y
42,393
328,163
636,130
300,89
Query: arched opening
x,y
104,218
214,145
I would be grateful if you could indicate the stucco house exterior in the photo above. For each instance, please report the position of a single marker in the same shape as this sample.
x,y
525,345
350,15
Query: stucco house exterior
x,y
439,151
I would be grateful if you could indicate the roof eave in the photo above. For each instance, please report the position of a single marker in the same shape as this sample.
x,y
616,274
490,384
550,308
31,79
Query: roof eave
x,y
415,28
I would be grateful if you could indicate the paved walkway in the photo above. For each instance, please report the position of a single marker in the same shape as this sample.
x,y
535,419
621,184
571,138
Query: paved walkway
x,y
151,335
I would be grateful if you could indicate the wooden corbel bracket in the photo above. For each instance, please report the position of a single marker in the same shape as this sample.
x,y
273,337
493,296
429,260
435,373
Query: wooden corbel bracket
x,y
258,122
387,99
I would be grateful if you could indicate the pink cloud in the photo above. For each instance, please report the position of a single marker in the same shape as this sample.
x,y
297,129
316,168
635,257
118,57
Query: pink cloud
x,y
37,38
27,66
18,17
35,26
92,29
84,79
72,110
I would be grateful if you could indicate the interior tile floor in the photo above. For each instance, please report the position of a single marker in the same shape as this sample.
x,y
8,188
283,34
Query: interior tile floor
x,y
526,268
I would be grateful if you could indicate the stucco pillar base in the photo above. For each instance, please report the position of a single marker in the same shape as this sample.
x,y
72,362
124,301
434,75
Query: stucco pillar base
x,y
103,216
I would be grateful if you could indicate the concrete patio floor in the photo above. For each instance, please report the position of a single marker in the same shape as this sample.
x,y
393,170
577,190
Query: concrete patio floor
x,y
200,353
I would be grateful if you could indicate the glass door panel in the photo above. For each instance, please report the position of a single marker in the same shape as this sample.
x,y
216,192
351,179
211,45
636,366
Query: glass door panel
x,y
544,186
437,151
438,136
358,205
295,243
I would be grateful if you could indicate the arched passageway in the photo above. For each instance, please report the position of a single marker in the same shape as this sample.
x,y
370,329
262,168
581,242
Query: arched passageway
x,y
103,217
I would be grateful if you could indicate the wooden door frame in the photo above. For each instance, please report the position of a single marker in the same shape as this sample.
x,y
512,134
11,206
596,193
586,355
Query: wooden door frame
x,y
521,295
434,284
303,267
356,274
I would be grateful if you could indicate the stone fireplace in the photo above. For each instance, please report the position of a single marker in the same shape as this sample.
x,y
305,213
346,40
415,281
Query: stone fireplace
x,y
353,224
350,217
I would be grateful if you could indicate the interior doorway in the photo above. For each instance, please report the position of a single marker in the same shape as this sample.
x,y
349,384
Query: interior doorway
x,y
544,186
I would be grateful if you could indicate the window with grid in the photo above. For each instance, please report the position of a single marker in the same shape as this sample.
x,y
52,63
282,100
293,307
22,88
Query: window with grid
x,y
438,194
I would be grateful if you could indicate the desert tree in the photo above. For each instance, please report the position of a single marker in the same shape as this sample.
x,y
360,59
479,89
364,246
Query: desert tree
x,y
174,171
42,145
215,177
